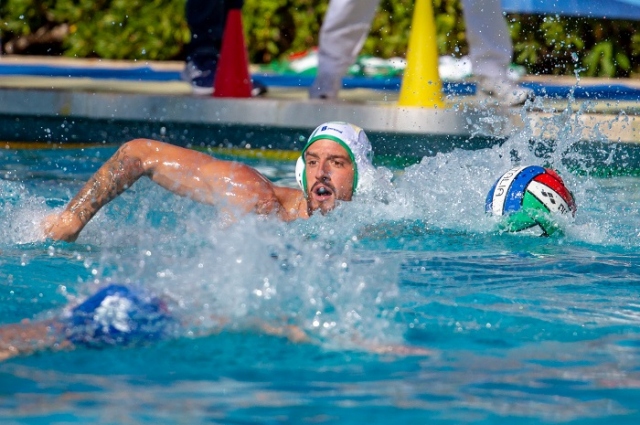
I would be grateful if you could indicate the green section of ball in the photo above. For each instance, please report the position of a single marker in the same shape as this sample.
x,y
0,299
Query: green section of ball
x,y
532,213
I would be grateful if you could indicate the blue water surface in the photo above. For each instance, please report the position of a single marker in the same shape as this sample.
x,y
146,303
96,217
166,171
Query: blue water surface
x,y
416,309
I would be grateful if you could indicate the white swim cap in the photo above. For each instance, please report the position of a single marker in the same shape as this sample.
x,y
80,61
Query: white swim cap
x,y
354,140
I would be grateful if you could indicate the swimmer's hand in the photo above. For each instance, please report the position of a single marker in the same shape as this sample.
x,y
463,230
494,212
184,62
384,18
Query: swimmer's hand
x,y
394,349
291,332
399,350
297,335
64,226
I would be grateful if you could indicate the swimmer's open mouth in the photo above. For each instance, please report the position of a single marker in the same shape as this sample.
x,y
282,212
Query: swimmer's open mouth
x,y
323,192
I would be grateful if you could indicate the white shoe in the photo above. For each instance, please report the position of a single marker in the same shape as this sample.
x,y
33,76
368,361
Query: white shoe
x,y
325,87
505,91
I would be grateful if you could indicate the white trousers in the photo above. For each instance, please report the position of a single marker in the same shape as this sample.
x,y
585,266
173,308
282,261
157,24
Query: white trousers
x,y
490,47
347,24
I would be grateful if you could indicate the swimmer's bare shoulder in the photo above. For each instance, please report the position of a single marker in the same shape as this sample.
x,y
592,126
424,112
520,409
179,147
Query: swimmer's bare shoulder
x,y
292,202
240,187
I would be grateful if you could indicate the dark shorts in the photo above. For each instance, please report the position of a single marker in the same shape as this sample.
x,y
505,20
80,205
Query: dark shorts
x,y
117,315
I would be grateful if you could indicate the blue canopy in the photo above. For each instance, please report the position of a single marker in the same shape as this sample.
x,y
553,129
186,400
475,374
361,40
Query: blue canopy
x,y
612,9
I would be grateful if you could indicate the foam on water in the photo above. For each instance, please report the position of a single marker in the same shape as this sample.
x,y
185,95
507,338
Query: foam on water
x,y
256,270
21,214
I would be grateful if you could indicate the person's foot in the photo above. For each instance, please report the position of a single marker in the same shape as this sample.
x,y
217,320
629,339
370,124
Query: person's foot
x,y
503,90
258,88
200,78
325,87
322,96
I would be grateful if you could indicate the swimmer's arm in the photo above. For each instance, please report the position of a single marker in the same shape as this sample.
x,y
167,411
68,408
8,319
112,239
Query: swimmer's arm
x,y
394,349
27,337
183,171
292,332
297,335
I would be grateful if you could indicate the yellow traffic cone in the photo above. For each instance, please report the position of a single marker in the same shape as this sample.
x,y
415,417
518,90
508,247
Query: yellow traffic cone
x,y
421,85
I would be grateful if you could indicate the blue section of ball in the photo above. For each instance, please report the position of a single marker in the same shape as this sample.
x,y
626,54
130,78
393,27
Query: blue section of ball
x,y
515,193
119,315
488,203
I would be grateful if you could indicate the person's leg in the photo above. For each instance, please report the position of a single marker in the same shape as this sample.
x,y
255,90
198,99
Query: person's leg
x,y
490,47
491,50
206,20
344,31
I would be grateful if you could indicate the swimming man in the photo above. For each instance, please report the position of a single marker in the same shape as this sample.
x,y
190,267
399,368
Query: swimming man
x,y
118,315
333,164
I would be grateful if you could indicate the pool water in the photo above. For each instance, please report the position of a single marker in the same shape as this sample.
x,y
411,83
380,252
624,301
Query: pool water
x,y
500,328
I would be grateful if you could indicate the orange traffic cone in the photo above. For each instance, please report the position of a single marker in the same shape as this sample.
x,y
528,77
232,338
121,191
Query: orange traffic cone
x,y
232,74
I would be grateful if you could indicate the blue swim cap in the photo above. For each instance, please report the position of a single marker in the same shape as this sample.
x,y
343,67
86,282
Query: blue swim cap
x,y
117,315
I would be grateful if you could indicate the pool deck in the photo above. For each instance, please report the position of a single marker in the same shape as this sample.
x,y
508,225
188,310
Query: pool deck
x,y
605,120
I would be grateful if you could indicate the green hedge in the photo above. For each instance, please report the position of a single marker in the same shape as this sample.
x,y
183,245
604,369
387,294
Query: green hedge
x,y
156,30
110,29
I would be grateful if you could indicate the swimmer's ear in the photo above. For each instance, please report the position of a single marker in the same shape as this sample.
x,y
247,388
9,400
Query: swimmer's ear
x,y
301,176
